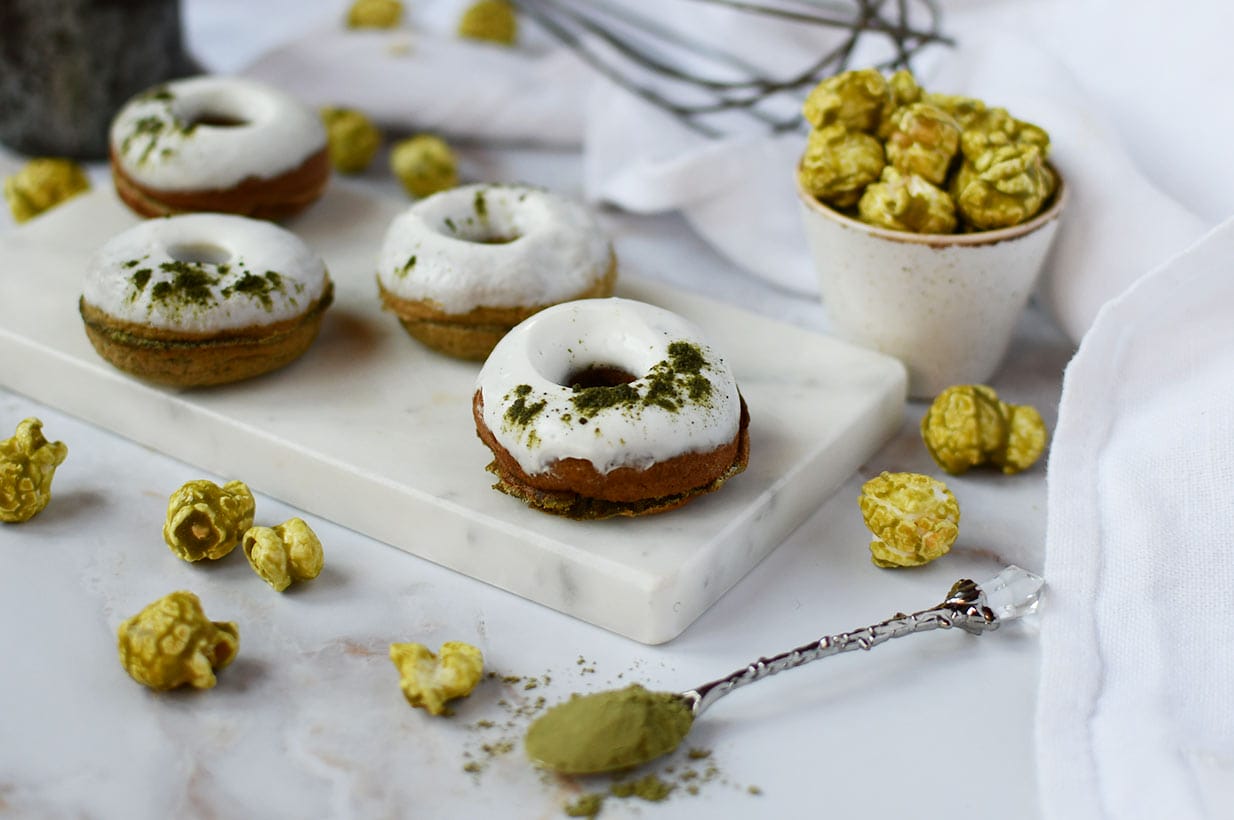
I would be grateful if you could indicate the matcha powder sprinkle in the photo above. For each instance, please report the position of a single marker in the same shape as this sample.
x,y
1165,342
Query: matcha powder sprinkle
x,y
608,731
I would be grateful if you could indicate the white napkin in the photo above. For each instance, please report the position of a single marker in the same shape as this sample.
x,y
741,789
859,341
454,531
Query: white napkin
x,y
1136,706
428,82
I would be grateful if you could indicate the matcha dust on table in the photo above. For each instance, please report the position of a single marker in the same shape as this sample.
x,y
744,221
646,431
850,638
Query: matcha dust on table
x,y
609,731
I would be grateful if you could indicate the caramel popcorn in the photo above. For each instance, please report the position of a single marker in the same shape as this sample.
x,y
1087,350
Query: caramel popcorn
x,y
42,184
353,139
374,14
923,140
854,100
428,681
205,520
425,164
986,169
966,110
914,518
969,426
1026,439
994,127
171,643
28,462
289,552
838,164
963,426
1003,186
906,202
492,20
904,88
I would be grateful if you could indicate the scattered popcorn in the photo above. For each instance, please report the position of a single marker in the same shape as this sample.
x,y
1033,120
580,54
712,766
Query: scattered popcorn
x,y
914,518
969,426
374,14
28,462
425,164
428,681
492,20
41,184
171,643
205,520
289,552
353,139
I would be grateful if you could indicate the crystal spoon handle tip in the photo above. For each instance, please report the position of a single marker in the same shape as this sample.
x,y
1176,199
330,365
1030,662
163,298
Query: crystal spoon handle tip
x,y
975,608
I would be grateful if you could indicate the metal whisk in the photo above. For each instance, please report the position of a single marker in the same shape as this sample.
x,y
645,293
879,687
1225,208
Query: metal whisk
x,y
695,80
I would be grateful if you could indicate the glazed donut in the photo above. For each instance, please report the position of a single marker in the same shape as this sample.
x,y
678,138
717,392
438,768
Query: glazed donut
x,y
608,407
203,299
462,267
222,144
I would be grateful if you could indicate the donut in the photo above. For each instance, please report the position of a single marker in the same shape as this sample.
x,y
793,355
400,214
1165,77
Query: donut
x,y
608,407
203,299
462,267
221,144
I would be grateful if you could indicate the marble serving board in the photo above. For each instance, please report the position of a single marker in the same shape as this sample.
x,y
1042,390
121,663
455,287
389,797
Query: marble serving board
x,y
373,431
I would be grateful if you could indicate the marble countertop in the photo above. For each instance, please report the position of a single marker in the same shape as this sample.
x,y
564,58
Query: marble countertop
x,y
309,720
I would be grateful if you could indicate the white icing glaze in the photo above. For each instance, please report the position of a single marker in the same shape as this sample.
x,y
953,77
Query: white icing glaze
x,y
546,349
227,249
559,252
155,146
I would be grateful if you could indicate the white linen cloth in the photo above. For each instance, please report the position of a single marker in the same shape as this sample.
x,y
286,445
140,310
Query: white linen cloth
x,y
1135,716
1136,708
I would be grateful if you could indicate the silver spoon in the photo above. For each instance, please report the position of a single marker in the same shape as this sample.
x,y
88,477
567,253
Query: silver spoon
x,y
611,731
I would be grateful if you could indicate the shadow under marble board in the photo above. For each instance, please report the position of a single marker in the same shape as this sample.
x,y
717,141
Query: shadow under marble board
x,y
373,431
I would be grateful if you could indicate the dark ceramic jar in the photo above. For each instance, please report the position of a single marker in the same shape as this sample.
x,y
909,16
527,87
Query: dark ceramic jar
x,y
66,66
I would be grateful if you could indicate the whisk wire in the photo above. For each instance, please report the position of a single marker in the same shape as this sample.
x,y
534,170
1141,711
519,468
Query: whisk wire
x,y
660,64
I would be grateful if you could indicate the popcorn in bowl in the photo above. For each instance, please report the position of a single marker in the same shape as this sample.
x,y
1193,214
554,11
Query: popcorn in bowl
x,y
887,153
929,218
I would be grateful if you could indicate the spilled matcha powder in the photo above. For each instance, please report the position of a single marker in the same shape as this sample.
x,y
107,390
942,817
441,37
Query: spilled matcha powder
x,y
682,777
608,731
649,787
588,805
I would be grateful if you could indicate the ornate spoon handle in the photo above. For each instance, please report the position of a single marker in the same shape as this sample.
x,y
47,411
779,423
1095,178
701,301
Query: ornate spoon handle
x,y
975,608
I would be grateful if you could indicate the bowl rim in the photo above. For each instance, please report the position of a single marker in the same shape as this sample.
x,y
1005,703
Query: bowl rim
x,y
941,240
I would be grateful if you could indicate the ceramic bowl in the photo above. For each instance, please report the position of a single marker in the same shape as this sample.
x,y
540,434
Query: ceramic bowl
x,y
944,304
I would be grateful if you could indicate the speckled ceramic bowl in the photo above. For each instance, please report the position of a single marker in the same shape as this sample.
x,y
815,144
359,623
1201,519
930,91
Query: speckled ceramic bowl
x,y
944,304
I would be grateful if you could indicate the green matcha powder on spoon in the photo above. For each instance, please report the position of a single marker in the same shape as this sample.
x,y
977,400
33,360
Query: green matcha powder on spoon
x,y
623,728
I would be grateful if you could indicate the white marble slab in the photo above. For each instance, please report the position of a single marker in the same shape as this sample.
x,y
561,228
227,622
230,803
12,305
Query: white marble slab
x,y
374,432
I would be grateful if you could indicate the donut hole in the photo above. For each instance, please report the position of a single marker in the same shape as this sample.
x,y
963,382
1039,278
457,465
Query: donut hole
x,y
214,119
199,253
482,233
212,110
599,375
